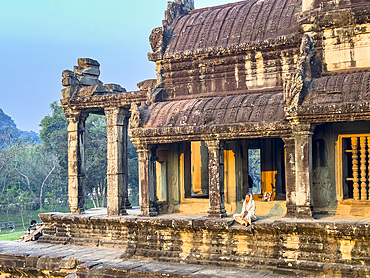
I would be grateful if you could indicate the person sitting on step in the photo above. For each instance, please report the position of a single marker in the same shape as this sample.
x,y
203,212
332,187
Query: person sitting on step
x,y
246,216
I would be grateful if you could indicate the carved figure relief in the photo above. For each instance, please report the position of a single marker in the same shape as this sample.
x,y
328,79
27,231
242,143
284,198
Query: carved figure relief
x,y
300,84
175,9
134,121
292,88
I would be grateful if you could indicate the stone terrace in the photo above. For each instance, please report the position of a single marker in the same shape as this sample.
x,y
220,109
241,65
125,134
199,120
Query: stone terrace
x,y
326,247
46,260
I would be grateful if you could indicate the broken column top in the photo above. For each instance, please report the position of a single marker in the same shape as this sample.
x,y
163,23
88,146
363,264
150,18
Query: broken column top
x,y
88,63
84,81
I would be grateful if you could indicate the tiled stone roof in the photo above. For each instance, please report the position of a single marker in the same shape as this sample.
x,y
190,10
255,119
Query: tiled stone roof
x,y
233,24
252,108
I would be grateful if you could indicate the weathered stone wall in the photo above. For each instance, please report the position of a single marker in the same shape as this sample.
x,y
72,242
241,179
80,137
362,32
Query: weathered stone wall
x,y
312,246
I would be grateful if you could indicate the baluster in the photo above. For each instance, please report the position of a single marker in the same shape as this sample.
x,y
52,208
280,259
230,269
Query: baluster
x,y
368,165
356,191
363,167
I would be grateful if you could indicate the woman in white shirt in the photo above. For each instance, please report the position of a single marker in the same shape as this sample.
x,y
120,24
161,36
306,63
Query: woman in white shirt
x,y
247,214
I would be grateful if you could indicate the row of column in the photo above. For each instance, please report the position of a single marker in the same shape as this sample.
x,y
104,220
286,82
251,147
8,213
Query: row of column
x,y
298,168
147,178
117,195
298,171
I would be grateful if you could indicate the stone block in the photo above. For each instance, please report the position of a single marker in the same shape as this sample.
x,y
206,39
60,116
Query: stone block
x,y
66,92
92,72
147,84
88,63
101,89
69,81
68,73
115,88
87,81
68,263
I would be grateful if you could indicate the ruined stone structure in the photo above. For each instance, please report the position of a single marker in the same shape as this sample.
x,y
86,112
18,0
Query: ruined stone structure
x,y
289,78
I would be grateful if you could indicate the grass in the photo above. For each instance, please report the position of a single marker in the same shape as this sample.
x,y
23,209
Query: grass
x,y
11,236
28,216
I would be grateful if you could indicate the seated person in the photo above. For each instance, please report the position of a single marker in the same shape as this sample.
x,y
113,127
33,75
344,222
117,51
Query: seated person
x,y
33,226
32,229
247,214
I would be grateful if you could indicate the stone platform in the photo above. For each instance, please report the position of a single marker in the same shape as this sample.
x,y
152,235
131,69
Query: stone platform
x,y
327,247
21,259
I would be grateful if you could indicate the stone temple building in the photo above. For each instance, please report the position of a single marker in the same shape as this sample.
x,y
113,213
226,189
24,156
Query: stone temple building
x,y
286,79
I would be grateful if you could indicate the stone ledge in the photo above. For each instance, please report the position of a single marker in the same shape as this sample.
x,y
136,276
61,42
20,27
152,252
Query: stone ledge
x,y
44,260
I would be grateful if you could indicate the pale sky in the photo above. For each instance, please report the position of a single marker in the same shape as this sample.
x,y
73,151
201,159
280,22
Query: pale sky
x,y
41,38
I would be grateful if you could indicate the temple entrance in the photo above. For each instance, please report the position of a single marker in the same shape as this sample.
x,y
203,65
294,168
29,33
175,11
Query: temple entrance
x,y
194,161
265,167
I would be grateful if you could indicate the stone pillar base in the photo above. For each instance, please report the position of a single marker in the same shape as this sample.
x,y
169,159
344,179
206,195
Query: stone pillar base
x,y
77,211
217,213
116,213
127,202
149,211
301,212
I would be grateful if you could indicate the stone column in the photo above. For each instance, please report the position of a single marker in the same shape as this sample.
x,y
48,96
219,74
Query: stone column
x,y
303,163
216,179
289,147
147,180
117,122
76,160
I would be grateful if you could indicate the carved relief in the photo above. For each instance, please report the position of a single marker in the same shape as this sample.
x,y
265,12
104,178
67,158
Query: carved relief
x,y
323,187
300,84
134,121
176,9
293,88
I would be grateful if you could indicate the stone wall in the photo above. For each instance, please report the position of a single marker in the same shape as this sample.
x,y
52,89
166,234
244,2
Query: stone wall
x,y
315,247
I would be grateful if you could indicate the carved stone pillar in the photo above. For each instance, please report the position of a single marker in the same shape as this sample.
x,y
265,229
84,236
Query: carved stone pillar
x,y
76,160
117,175
216,179
303,163
147,180
289,146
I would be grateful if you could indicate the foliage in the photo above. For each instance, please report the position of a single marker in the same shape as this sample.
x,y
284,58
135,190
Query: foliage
x,y
27,171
